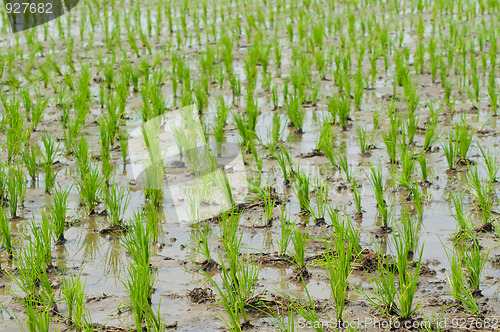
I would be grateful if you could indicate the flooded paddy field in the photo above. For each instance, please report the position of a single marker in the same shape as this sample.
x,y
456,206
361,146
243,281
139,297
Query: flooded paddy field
x,y
251,165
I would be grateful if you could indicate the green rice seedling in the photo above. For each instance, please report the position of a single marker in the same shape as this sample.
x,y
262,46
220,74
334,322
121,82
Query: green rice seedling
x,y
284,161
365,143
375,178
491,163
356,196
407,280
481,190
123,138
423,166
474,260
390,138
49,157
343,227
407,166
276,133
200,235
5,233
492,92
282,320
417,200
58,211
339,268
450,152
344,166
321,193
295,113
139,285
152,217
137,242
301,188
245,132
383,287
306,308
408,231
299,240
30,161
37,112
286,229
90,187
461,291
269,203
116,202
13,193
431,135
463,138
344,110
72,290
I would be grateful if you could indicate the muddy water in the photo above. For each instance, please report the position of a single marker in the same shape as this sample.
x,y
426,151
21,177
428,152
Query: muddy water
x,y
103,262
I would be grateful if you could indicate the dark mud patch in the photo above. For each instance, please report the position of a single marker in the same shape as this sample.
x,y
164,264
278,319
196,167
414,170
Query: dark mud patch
x,y
313,153
201,295
97,298
209,265
114,230
426,271
300,274
270,259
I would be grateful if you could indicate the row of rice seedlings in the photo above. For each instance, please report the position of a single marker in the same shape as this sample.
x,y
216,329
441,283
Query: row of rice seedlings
x,y
141,279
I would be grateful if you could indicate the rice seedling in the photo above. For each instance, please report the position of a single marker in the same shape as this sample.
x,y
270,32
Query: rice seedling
x,y
72,290
481,190
383,287
58,210
307,310
407,280
423,166
344,166
474,260
30,162
299,240
356,196
339,268
390,138
49,156
463,138
301,188
450,152
90,188
13,193
461,291
431,134
5,233
407,166
375,178
365,143
491,163
116,201
295,113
